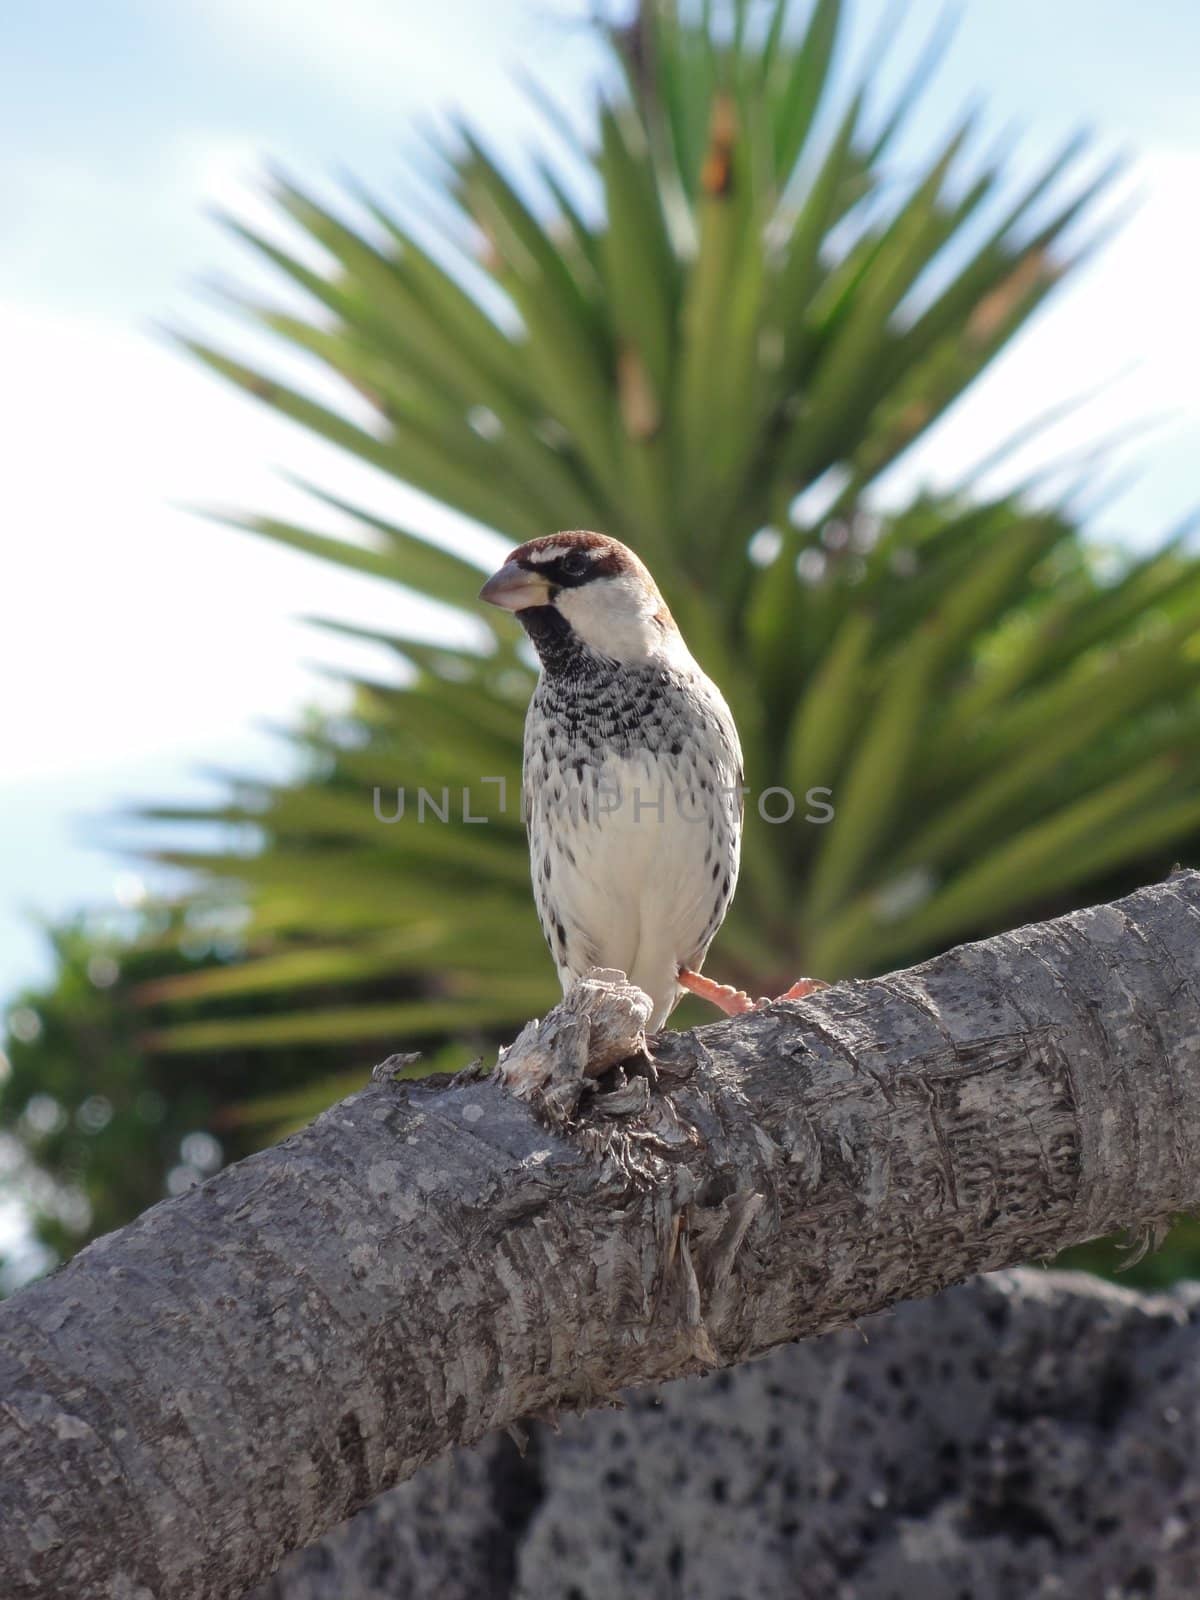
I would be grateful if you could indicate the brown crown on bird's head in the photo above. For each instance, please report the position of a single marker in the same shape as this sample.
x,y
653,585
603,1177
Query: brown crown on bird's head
x,y
597,585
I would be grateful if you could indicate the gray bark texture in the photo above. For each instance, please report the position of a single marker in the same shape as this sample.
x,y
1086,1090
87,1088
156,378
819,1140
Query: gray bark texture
x,y
1027,1436
241,1368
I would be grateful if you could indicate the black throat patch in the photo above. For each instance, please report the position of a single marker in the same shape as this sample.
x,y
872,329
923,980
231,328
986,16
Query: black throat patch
x,y
560,650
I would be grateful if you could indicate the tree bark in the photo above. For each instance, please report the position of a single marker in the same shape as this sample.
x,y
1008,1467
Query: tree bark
x,y
243,1367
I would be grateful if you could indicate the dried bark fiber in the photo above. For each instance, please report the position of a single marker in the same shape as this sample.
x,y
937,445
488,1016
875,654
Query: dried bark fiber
x,y
243,1367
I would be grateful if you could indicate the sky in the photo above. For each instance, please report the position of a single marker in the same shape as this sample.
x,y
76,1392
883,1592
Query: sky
x,y
141,644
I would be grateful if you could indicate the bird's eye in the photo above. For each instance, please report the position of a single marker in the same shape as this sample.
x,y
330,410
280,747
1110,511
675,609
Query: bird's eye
x,y
574,564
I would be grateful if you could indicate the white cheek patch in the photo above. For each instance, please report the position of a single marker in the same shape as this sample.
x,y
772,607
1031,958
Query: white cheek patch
x,y
614,616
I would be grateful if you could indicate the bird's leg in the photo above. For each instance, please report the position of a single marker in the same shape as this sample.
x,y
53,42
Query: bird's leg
x,y
733,1002
736,1002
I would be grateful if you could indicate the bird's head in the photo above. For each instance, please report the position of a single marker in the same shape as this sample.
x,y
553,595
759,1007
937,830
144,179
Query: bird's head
x,y
588,587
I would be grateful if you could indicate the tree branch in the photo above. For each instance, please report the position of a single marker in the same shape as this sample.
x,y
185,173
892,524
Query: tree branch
x,y
243,1367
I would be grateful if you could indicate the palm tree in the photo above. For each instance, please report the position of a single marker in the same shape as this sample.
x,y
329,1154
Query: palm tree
x,y
708,330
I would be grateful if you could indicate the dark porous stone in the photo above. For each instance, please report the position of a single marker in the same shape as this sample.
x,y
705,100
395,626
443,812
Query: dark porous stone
x,y
1029,1434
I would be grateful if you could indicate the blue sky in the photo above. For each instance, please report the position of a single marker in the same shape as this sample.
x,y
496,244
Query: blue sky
x,y
142,644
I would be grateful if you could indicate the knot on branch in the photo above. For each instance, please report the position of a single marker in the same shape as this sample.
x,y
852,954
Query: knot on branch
x,y
599,1023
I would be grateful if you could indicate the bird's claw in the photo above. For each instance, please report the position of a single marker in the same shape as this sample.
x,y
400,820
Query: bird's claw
x,y
802,988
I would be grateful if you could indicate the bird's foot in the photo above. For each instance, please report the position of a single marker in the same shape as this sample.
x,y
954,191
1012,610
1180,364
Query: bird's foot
x,y
736,1002
802,988
733,1002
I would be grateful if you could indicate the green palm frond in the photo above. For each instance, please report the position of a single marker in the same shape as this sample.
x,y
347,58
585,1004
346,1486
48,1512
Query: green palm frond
x,y
758,304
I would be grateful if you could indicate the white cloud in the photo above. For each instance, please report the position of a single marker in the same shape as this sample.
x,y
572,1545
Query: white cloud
x,y
132,625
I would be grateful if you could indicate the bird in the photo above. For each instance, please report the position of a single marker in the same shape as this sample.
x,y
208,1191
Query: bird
x,y
632,776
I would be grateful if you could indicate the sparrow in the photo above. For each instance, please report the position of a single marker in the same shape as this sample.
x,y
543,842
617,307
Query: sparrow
x,y
632,775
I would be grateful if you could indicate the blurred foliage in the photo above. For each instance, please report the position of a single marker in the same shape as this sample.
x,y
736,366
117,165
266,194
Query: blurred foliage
x,y
94,1125
726,297
707,326
1177,1257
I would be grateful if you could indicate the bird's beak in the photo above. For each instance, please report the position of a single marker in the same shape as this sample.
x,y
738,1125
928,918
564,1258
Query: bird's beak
x,y
514,588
